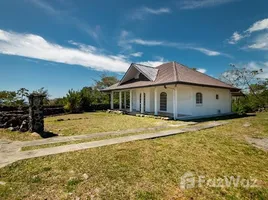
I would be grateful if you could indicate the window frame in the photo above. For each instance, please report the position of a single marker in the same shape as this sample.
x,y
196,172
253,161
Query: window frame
x,y
163,95
199,99
217,97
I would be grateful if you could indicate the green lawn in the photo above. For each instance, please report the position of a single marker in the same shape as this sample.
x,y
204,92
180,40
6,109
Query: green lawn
x,y
86,123
149,169
98,122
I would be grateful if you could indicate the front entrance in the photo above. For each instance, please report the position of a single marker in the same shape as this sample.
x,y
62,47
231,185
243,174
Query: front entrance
x,y
144,100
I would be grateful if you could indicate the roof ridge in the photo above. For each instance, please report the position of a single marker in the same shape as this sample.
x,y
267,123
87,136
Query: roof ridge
x,y
143,65
163,64
175,71
204,74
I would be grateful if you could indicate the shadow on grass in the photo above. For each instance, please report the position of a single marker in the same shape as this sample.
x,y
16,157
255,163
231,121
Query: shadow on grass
x,y
47,134
226,117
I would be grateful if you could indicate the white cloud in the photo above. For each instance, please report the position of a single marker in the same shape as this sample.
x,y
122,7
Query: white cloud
x,y
137,54
253,65
197,4
201,70
259,26
45,6
34,46
260,42
141,13
235,38
208,52
153,63
147,42
157,11
257,66
177,45
122,42
84,47
64,17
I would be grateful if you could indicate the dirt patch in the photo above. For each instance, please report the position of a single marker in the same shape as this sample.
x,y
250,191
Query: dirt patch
x,y
261,143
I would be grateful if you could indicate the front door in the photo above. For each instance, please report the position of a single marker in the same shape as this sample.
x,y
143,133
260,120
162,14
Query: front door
x,y
144,100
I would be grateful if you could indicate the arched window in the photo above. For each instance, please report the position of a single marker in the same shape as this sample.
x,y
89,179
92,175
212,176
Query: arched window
x,y
199,98
163,101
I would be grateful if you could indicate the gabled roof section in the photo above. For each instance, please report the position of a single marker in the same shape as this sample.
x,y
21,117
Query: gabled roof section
x,y
149,72
167,73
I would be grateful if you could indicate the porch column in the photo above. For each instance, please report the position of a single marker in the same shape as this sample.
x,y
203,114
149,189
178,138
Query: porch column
x,y
142,102
155,101
120,100
112,100
125,100
130,101
175,103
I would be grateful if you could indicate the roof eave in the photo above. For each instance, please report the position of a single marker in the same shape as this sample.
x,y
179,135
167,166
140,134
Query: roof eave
x,y
170,83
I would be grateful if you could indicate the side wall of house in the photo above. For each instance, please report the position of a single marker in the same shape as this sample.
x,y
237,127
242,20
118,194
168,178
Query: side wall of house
x,y
210,106
186,101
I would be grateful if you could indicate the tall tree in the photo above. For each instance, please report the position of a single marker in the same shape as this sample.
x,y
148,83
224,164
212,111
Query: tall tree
x,y
44,92
105,81
248,80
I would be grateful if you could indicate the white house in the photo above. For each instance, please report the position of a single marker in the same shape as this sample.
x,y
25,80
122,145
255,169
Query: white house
x,y
171,89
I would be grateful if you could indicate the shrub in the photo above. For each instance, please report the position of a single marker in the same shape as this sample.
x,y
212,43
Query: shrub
x,y
73,101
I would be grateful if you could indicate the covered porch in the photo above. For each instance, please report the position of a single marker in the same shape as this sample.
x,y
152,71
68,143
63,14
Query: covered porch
x,y
158,101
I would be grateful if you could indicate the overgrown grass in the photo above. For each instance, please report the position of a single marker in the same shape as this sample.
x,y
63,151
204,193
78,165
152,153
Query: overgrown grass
x,y
149,169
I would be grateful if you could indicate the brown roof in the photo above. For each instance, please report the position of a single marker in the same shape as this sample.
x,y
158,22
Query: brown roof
x,y
171,73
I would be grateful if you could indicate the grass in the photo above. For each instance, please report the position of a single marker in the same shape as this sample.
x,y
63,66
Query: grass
x,y
149,169
97,122
5,134
86,123
110,136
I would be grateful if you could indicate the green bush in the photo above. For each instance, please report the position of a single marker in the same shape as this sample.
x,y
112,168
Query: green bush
x,y
73,101
241,106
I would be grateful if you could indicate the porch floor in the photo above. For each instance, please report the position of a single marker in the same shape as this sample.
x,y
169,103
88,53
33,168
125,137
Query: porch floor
x,y
160,114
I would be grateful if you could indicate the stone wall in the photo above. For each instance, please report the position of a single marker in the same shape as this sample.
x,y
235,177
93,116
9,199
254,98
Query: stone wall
x,y
14,120
36,113
48,110
26,118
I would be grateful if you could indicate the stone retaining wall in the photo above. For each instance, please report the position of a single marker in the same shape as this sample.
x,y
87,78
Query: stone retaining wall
x,y
14,121
48,110
22,119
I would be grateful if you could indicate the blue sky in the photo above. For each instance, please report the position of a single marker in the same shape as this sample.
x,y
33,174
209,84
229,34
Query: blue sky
x,y
63,44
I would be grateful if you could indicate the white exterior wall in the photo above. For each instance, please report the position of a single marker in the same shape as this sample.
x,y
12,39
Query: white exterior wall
x,y
148,100
169,91
210,106
186,102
